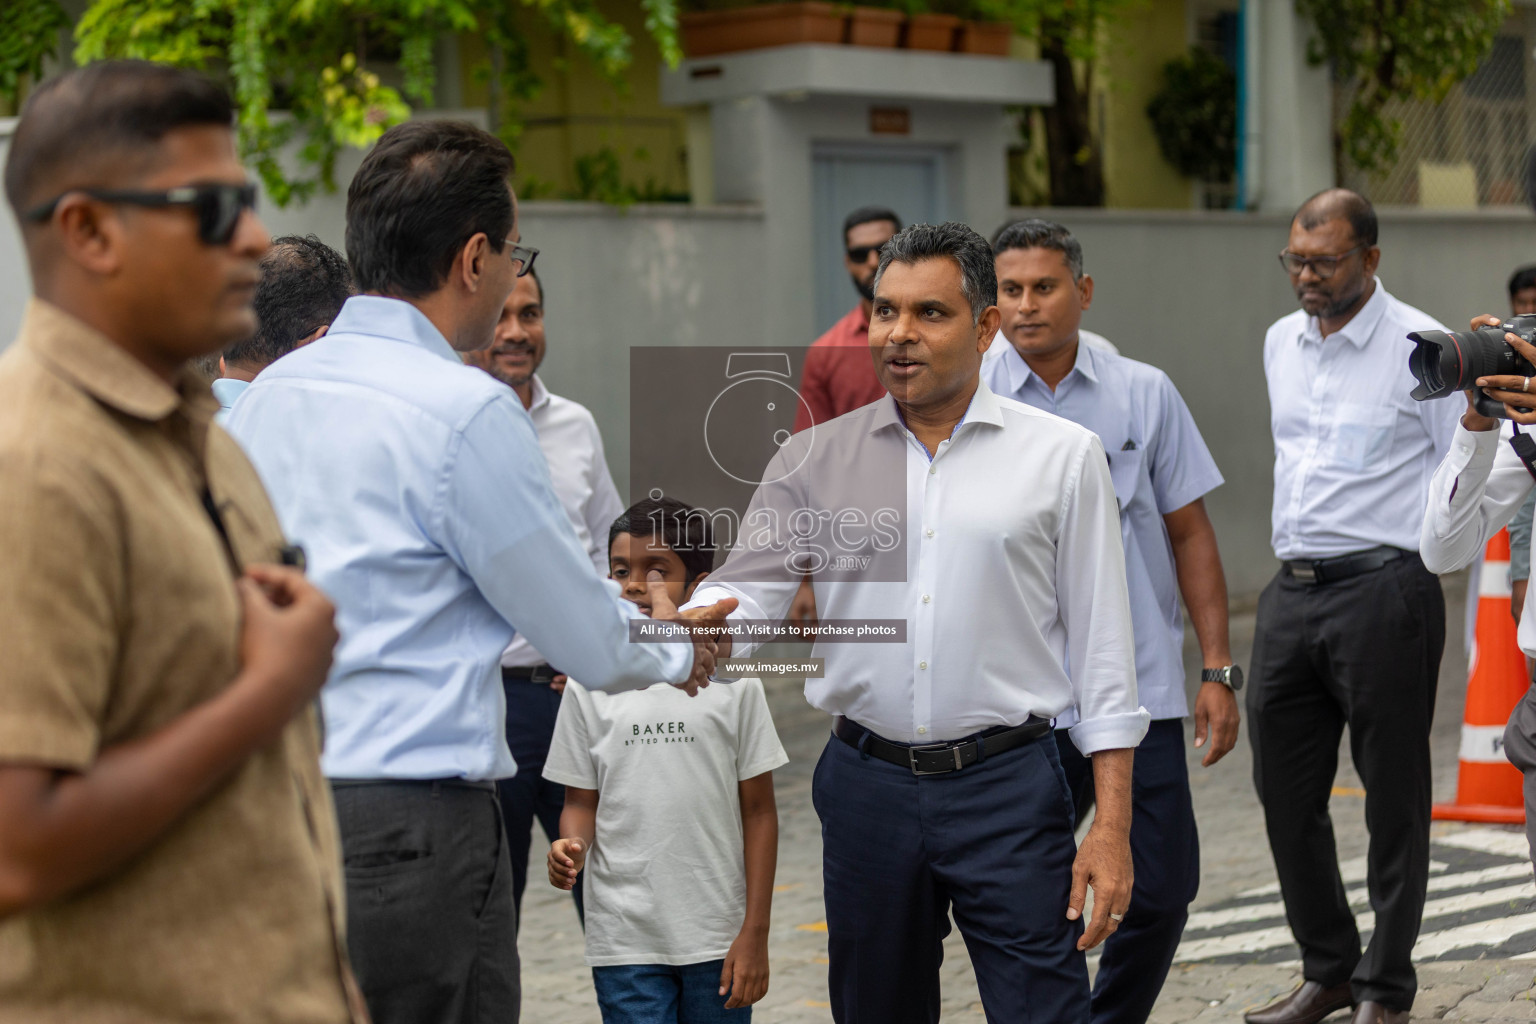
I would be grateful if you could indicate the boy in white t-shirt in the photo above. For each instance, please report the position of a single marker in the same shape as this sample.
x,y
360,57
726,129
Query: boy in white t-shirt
x,y
669,807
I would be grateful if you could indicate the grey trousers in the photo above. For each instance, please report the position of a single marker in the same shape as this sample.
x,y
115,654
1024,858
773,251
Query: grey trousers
x,y
1520,748
431,927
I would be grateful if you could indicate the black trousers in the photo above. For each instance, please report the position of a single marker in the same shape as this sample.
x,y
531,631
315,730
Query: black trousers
x,y
1165,852
992,842
430,924
526,796
1362,653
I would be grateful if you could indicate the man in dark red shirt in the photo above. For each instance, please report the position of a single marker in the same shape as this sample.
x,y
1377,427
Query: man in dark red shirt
x,y
839,373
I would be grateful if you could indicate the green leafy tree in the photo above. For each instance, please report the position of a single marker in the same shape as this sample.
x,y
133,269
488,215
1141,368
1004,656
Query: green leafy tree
x,y
29,32
1194,116
314,77
1070,34
1396,49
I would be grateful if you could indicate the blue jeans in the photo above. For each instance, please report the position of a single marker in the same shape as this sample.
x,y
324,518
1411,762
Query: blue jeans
x,y
663,994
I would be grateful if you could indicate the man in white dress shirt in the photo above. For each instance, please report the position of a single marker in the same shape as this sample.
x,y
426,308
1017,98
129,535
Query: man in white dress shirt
x,y
941,789
572,446
1350,632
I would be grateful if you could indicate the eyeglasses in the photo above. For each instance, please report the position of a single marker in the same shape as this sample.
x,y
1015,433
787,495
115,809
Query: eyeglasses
x,y
1322,266
860,253
523,255
218,207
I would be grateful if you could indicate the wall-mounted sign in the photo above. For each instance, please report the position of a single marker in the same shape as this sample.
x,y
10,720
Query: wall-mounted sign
x,y
890,121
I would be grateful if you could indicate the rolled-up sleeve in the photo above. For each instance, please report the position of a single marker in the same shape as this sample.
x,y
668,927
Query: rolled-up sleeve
x,y
1473,494
1095,608
506,529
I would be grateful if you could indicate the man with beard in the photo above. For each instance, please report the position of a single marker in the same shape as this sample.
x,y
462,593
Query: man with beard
x,y
572,446
1350,632
839,375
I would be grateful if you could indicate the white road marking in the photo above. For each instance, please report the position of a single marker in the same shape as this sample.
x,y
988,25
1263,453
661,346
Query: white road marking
x,y
1512,883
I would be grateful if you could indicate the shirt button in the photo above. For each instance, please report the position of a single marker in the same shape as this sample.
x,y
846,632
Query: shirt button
x,y
930,531
932,470
922,730
922,664
926,599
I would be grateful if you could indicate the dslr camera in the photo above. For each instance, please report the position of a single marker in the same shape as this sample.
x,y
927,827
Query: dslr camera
x,y
1447,362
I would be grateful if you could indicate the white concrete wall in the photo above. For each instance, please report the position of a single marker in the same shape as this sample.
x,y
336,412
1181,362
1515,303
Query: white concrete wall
x,y
1192,293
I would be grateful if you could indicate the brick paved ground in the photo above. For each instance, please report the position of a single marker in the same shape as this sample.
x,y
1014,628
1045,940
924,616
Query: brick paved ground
x,y
1235,858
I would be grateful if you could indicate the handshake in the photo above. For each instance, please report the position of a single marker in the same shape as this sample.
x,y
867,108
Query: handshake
x,y
705,625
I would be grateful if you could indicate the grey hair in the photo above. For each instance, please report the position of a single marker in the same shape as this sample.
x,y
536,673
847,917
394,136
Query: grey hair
x,y
1041,234
978,277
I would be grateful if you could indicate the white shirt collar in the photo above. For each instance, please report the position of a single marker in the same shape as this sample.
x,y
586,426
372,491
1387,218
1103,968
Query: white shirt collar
x,y
1360,327
541,394
984,408
1019,372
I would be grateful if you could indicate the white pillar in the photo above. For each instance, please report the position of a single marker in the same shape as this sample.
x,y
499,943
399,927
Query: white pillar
x,y
1295,111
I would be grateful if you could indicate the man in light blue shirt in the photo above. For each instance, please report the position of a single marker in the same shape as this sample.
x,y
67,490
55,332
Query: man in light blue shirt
x,y
1161,469
303,284
418,490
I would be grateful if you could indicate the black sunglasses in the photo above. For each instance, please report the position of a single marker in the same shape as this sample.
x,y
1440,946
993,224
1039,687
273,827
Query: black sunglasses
x,y
218,207
860,253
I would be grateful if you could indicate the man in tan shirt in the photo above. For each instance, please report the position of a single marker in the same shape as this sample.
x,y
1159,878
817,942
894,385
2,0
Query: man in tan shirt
x,y
168,849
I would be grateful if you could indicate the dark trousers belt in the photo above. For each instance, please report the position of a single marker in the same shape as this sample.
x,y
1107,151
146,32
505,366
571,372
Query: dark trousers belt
x,y
941,758
1342,567
488,785
541,674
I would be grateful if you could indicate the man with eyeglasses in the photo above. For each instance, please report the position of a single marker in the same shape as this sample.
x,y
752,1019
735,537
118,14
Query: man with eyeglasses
x,y
168,848
417,488
573,447
1350,632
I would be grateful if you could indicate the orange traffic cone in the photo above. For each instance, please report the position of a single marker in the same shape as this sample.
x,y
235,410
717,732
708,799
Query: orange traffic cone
x,y
1488,787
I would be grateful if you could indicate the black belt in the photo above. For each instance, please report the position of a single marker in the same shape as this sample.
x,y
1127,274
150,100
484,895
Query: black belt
x,y
541,674
941,758
454,783
1342,567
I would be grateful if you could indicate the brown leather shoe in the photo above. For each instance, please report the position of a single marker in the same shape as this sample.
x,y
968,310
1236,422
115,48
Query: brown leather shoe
x,y
1309,1004
1371,1012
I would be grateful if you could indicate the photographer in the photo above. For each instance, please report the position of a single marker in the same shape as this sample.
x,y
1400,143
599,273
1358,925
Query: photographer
x,y
1480,487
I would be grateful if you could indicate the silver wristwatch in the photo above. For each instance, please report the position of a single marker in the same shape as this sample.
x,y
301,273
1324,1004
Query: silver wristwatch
x,y
1231,677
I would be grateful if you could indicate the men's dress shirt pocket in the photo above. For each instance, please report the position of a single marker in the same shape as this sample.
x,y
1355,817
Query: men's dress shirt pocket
x,y
1125,473
1362,435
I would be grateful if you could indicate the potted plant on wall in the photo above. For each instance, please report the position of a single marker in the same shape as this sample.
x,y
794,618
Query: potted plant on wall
x,y
969,26
876,26
709,27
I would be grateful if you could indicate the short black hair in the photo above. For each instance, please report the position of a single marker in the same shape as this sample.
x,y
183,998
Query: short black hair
x,y
99,125
681,527
1340,204
978,276
303,285
425,189
868,215
1522,279
1035,233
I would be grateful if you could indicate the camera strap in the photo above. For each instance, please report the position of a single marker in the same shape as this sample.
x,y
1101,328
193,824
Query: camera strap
x,y
1525,447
